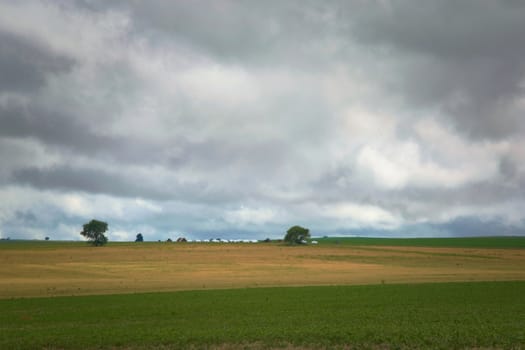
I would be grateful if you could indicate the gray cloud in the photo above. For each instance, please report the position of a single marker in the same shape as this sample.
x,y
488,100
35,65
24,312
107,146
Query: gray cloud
x,y
464,58
468,30
508,168
347,117
474,226
25,65
118,183
72,134
78,179
276,33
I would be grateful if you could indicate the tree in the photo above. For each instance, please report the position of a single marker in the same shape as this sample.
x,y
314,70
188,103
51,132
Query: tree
x,y
296,234
139,238
94,232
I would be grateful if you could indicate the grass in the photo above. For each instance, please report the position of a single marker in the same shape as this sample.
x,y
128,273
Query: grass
x,y
451,242
517,242
440,316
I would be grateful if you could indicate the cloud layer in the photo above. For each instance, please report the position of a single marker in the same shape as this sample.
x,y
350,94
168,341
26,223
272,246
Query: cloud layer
x,y
241,119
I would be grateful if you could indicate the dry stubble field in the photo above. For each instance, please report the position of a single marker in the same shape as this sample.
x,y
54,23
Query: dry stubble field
x,y
75,269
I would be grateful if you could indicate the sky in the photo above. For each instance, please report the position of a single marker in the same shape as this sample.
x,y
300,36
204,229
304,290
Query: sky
x,y
239,119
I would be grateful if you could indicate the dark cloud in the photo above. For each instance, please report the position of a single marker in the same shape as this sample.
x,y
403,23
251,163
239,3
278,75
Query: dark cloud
x,y
466,58
119,182
26,217
466,30
72,134
21,120
459,227
25,65
93,181
508,168
414,203
75,179
476,226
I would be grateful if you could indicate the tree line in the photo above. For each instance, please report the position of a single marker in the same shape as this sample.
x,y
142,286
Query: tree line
x,y
95,229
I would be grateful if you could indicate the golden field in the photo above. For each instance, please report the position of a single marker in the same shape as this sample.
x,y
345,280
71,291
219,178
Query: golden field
x,y
79,269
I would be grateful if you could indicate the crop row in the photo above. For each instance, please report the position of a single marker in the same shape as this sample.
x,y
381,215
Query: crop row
x,y
442,316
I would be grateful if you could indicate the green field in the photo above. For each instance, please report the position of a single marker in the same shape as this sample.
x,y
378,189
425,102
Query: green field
x,y
448,242
349,293
444,316
452,242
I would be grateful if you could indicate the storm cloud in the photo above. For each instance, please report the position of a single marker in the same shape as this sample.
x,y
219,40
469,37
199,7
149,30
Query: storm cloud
x,y
240,119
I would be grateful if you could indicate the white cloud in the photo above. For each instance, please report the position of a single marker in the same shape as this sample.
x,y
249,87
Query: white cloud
x,y
78,205
476,159
65,232
218,85
244,216
148,205
436,158
121,235
386,171
354,215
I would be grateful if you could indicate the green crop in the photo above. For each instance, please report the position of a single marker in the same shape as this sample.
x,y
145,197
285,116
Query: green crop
x,y
451,242
441,316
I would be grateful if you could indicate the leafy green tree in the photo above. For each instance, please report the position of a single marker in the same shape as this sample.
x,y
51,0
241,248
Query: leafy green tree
x,y
94,232
139,238
296,235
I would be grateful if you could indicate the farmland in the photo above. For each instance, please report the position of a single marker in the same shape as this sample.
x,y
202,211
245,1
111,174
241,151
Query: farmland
x,y
450,242
443,316
339,293
57,268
